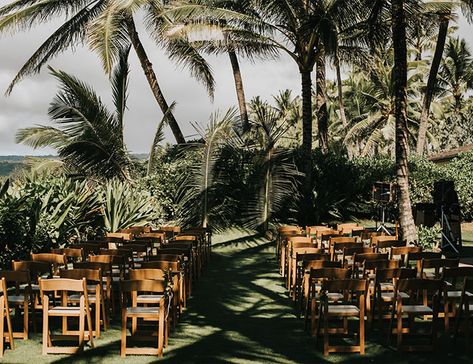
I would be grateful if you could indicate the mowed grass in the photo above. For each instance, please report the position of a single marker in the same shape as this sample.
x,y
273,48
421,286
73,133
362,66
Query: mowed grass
x,y
239,313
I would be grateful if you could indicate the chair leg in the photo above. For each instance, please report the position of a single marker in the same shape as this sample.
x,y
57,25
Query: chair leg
x,y
362,326
46,337
123,340
81,330
326,338
26,320
399,329
2,325
161,334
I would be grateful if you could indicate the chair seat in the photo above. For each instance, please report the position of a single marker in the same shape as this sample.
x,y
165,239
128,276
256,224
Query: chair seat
x,y
16,299
64,311
417,309
458,294
76,298
343,310
334,296
389,296
144,311
149,298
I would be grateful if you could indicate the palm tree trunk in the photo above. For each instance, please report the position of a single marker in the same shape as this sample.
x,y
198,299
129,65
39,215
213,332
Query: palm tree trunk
x,y
321,100
240,91
399,75
307,143
341,105
431,82
152,79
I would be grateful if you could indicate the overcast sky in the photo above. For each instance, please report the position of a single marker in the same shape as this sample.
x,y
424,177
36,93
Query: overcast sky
x,y
28,103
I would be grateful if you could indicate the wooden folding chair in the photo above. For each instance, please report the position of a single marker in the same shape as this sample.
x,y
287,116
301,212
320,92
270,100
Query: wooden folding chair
x,y
401,253
414,259
64,287
95,294
415,305
292,243
385,246
454,278
72,254
360,259
432,268
347,228
130,309
5,316
465,310
57,261
20,297
352,305
285,232
297,255
383,296
316,278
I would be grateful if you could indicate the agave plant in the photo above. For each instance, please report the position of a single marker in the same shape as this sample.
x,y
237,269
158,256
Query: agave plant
x,y
125,206
89,137
197,188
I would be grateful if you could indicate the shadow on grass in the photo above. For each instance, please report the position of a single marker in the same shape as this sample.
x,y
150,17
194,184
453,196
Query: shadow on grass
x,y
240,312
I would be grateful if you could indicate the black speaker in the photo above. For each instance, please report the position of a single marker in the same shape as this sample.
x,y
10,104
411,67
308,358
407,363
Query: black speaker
x,y
444,193
384,192
425,214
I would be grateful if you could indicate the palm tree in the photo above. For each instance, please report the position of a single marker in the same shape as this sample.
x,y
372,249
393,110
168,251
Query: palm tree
x,y
445,15
298,28
88,137
399,75
456,72
106,25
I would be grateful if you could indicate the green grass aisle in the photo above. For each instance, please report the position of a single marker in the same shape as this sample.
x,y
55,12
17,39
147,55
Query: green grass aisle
x,y
239,313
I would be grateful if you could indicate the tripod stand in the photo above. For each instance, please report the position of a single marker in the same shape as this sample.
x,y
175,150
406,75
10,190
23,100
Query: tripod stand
x,y
448,238
382,226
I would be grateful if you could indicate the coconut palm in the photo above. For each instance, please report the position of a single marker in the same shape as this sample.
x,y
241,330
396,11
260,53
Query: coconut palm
x,y
301,29
88,136
106,25
456,72
399,76
445,15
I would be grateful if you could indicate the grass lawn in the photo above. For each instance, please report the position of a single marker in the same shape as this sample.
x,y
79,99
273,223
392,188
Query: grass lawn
x,y
239,313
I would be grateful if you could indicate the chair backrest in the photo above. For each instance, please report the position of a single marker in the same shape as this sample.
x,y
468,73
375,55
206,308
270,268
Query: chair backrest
x,y
311,256
346,228
388,244
358,249
136,247
283,230
403,251
291,240
360,258
55,259
345,285
164,256
104,267
370,265
91,275
144,285
418,256
379,238
146,273
162,264
16,276
346,248
342,239
329,273
437,264
299,252
36,269
102,258
136,230
119,236
385,274
171,228
91,248
74,253
317,263
185,238
63,284
420,286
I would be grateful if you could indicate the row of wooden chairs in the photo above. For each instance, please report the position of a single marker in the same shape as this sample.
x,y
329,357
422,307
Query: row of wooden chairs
x,y
383,279
92,280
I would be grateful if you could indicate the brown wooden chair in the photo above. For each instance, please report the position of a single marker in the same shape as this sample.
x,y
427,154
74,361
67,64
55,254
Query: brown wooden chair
x,y
352,305
465,310
347,228
385,246
402,252
130,309
58,261
140,253
415,305
454,278
360,259
285,232
5,316
64,287
316,277
337,244
432,268
20,297
349,251
297,255
293,242
415,258
383,296
72,254
91,248
323,239
95,294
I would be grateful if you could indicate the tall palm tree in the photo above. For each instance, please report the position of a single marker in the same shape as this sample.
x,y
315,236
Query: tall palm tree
x,y
399,75
88,137
456,72
445,15
106,25
297,28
